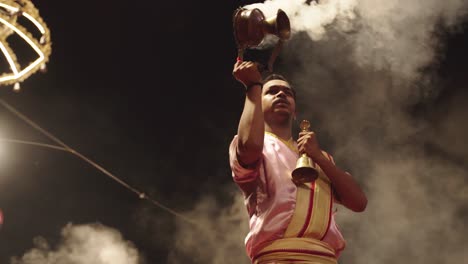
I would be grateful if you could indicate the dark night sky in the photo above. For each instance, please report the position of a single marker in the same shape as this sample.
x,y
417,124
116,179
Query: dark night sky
x,y
145,90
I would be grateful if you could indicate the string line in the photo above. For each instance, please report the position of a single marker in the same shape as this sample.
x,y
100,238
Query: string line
x,y
61,146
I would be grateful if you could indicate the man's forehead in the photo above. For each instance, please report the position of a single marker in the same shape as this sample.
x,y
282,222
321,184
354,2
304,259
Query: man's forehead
x,y
277,83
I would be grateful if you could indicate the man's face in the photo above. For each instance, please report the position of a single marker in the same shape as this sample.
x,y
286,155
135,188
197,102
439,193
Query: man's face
x,y
278,99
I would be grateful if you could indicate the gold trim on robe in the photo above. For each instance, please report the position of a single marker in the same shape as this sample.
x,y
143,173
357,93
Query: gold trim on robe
x,y
313,210
297,250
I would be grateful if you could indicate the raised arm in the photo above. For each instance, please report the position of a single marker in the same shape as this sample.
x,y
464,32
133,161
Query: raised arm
x,y
251,125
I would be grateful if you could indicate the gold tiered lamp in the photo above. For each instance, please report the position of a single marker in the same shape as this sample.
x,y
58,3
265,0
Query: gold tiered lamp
x,y
20,22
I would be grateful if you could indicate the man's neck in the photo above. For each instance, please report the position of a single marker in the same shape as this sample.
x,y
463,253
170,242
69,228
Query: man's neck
x,y
283,132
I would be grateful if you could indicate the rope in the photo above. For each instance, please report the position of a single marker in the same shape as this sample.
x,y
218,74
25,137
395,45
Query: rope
x,y
63,147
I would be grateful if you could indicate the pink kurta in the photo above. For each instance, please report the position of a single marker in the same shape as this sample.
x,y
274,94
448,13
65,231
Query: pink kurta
x,y
272,199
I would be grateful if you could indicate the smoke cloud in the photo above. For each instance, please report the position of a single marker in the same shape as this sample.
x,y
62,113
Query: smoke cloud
x,y
218,236
360,67
83,244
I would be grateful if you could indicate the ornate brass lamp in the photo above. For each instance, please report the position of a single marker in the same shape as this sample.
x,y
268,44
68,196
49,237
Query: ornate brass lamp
x,y
305,170
251,27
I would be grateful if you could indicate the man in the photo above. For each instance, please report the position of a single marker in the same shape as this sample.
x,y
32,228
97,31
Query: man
x,y
289,223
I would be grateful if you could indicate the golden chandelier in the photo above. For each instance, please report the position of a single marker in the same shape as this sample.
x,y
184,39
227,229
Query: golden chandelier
x,y
21,24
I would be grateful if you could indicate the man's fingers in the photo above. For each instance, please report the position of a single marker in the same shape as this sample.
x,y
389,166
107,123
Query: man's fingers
x,y
300,144
303,133
300,140
245,71
301,150
304,137
244,65
238,66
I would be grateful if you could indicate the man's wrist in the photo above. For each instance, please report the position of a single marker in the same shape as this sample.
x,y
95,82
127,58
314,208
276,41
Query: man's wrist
x,y
252,85
320,158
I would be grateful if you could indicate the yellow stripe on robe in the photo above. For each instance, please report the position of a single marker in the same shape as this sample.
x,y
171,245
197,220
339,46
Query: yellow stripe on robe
x,y
311,217
296,250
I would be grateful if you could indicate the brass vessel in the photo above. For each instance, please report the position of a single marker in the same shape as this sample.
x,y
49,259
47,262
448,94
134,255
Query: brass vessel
x,y
251,26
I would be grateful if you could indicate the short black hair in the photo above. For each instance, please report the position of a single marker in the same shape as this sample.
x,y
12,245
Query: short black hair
x,y
276,76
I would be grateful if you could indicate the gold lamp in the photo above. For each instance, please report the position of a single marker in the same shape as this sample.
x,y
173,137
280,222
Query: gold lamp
x,y
305,170
20,18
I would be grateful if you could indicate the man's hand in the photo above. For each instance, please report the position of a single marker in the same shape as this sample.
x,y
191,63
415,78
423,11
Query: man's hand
x,y
247,73
348,192
307,143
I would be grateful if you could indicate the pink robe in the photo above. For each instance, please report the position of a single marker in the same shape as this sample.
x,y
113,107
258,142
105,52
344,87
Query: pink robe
x,y
272,199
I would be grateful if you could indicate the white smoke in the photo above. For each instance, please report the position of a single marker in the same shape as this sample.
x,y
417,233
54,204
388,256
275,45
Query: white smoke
x,y
390,35
311,18
82,244
218,236
414,213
